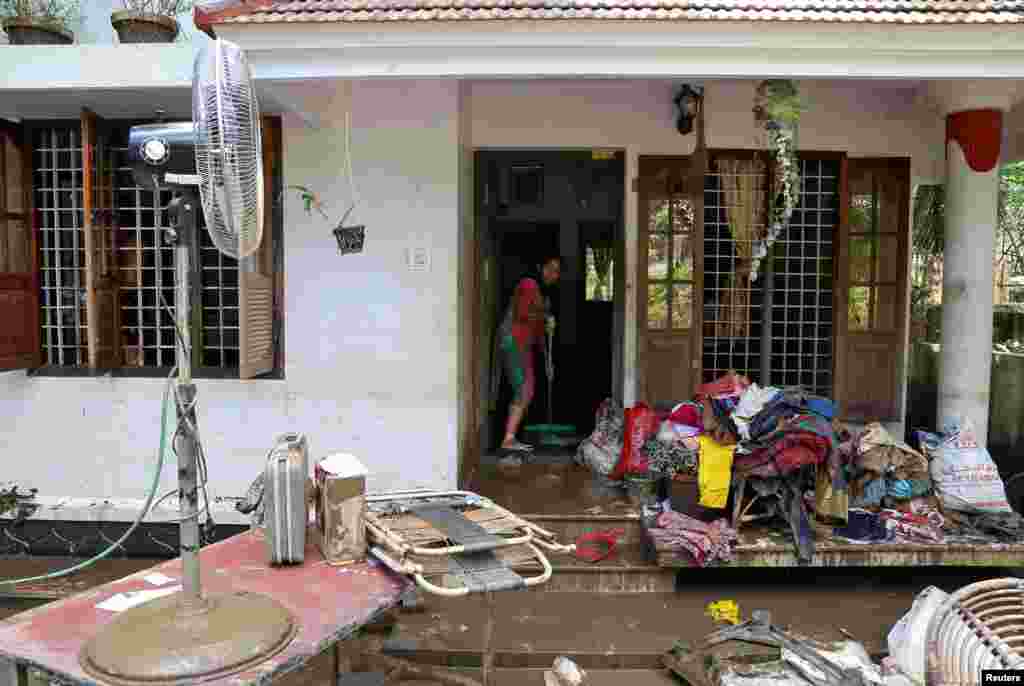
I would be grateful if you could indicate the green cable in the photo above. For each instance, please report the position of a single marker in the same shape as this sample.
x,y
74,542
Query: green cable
x,y
135,524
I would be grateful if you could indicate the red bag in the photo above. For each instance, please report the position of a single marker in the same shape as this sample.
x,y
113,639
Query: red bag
x,y
641,424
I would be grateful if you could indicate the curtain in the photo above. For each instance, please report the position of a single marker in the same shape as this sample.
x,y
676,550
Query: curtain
x,y
743,184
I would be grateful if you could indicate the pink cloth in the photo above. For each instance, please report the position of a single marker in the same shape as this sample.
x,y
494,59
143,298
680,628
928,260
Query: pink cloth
x,y
707,543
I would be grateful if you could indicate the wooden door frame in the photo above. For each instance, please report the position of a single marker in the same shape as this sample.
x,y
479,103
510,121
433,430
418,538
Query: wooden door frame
x,y
840,268
898,167
647,168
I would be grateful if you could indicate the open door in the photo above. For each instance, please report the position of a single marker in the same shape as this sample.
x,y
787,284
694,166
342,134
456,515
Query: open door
x,y
101,266
19,287
670,232
872,273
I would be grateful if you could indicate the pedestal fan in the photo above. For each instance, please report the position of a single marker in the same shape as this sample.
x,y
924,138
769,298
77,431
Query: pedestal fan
x,y
189,637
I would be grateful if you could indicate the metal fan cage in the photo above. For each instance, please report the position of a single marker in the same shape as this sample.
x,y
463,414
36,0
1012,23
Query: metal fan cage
x,y
980,627
228,149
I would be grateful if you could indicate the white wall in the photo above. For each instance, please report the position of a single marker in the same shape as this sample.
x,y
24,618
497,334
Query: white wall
x,y
861,118
371,362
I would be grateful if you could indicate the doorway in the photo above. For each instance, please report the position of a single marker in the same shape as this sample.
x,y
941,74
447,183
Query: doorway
x,y
569,203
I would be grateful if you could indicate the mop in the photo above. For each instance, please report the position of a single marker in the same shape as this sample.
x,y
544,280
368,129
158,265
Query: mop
x,y
552,434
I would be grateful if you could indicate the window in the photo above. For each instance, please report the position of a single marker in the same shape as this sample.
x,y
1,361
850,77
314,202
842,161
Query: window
x,y
670,263
599,252
600,267
874,250
776,329
107,274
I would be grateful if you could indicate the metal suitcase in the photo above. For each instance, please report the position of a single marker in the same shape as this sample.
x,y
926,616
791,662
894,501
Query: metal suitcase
x,y
286,510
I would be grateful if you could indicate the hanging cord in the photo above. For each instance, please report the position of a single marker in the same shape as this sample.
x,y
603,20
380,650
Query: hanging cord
x,y
348,162
185,425
142,512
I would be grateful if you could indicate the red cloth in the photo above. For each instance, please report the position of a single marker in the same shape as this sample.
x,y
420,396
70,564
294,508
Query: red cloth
x,y
528,313
728,386
688,414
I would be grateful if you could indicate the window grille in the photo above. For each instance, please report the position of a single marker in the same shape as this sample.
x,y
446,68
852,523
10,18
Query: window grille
x,y
57,180
799,278
145,265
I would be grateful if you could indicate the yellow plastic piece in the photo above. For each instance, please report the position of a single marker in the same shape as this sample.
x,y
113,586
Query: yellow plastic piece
x,y
724,611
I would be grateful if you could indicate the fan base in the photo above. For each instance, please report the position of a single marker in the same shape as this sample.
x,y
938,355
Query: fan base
x,y
169,641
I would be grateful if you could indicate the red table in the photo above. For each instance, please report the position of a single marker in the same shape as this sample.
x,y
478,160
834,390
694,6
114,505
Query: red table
x,y
329,605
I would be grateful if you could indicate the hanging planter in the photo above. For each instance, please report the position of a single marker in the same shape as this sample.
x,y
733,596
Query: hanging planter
x,y
133,26
778,107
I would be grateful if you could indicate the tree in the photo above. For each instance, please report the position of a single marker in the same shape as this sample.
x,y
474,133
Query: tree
x,y
929,230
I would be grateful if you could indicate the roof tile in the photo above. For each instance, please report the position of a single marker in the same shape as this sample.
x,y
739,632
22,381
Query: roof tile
x,y
801,11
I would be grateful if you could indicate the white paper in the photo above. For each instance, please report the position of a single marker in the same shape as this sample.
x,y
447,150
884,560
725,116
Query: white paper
x,y
123,601
157,579
343,465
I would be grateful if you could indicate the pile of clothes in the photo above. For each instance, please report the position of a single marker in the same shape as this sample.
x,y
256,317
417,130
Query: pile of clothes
x,y
883,469
786,447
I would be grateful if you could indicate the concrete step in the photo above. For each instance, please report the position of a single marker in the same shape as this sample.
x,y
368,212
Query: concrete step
x,y
631,570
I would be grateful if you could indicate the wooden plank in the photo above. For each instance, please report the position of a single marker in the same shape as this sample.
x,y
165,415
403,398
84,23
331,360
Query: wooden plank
x,y
760,547
50,637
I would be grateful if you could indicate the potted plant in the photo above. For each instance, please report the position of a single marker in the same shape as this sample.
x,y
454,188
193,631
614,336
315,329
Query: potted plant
x,y
39,22
148,21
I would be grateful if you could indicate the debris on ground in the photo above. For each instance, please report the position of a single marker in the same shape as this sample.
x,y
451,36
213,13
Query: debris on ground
x,y
770,655
564,672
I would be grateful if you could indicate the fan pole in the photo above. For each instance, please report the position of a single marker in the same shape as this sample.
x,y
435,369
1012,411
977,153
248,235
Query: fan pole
x,y
183,218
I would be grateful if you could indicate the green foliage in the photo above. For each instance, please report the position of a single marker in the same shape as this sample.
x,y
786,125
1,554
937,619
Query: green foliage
x,y
55,14
779,100
930,216
161,8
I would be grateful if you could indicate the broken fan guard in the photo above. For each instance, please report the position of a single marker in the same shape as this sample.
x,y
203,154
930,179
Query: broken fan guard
x,y
980,627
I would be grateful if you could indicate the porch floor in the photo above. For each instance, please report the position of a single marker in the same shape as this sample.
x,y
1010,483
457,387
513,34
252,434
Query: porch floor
x,y
551,490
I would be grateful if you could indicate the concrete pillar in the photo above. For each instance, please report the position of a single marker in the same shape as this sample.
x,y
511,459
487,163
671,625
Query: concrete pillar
x,y
972,183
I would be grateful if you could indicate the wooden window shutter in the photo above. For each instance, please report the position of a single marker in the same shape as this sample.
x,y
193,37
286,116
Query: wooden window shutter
x,y
101,287
256,273
19,266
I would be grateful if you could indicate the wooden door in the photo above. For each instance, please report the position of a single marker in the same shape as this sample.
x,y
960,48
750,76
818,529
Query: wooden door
x,y
669,317
19,285
873,277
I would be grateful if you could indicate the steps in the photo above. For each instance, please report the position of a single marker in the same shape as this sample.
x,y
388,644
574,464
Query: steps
x,y
630,570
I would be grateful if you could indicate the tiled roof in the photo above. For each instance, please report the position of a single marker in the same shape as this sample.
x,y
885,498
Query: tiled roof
x,y
801,11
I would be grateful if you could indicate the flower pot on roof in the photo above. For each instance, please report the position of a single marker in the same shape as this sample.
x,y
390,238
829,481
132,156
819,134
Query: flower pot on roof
x,y
38,22
148,21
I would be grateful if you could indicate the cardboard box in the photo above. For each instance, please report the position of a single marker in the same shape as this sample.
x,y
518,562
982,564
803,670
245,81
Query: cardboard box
x,y
340,530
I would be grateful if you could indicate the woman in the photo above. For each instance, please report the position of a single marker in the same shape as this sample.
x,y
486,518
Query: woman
x,y
526,322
